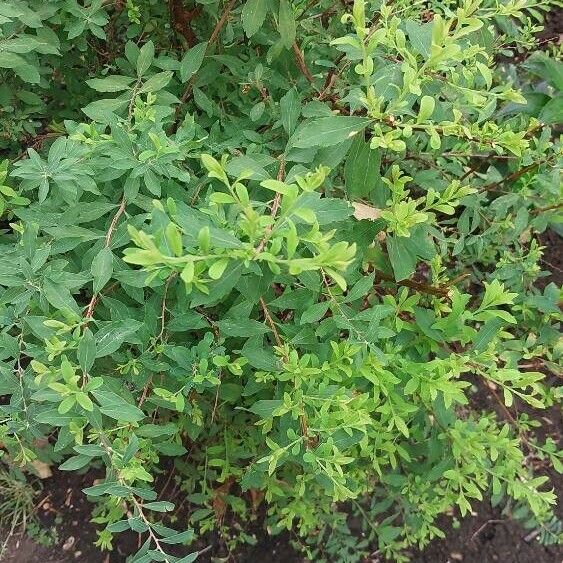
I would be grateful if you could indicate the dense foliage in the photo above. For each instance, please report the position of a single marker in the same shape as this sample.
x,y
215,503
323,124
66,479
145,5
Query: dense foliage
x,y
285,245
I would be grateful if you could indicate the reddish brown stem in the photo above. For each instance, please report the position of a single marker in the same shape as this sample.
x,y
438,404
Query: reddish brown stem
x,y
270,321
511,177
213,37
181,20
422,287
300,60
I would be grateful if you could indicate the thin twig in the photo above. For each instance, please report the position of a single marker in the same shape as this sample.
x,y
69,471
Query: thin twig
x,y
260,248
92,304
221,23
438,291
483,526
149,529
487,156
216,403
272,324
532,535
114,221
300,60
332,76
512,177
211,322
145,392
273,210
548,208
213,37
163,307
504,409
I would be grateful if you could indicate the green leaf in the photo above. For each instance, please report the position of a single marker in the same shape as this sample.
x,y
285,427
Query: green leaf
x,y
241,327
192,221
253,15
103,111
401,255
265,408
387,534
145,58
277,186
59,296
362,170
486,333
10,60
426,108
86,352
156,82
55,418
159,506
66,404
180,537
552,112
256,111
84,401
361,288
328,131
420,36
116,407
171,448
192,61
286,23
315,312
115,83
187,274
111,336
217,268
75,462
102,268
290,108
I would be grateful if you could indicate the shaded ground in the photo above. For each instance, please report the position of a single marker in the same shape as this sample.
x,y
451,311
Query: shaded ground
x,y
553,27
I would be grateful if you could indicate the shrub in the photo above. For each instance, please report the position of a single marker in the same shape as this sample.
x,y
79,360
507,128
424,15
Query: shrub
x,y
284,245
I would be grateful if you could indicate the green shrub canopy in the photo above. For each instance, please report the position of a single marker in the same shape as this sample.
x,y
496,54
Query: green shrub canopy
x,y
284,244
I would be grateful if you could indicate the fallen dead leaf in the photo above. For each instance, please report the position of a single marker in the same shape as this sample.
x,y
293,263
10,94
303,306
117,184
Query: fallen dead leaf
x,y
68,543
42,469
257,496
365,211
219,504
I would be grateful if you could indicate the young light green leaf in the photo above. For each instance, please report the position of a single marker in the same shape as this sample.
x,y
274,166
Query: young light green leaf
x,y
426,108
217,268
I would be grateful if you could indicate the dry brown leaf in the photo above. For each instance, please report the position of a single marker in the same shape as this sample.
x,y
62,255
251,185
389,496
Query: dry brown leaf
x,y
257,497
219,504
365,211
42,469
